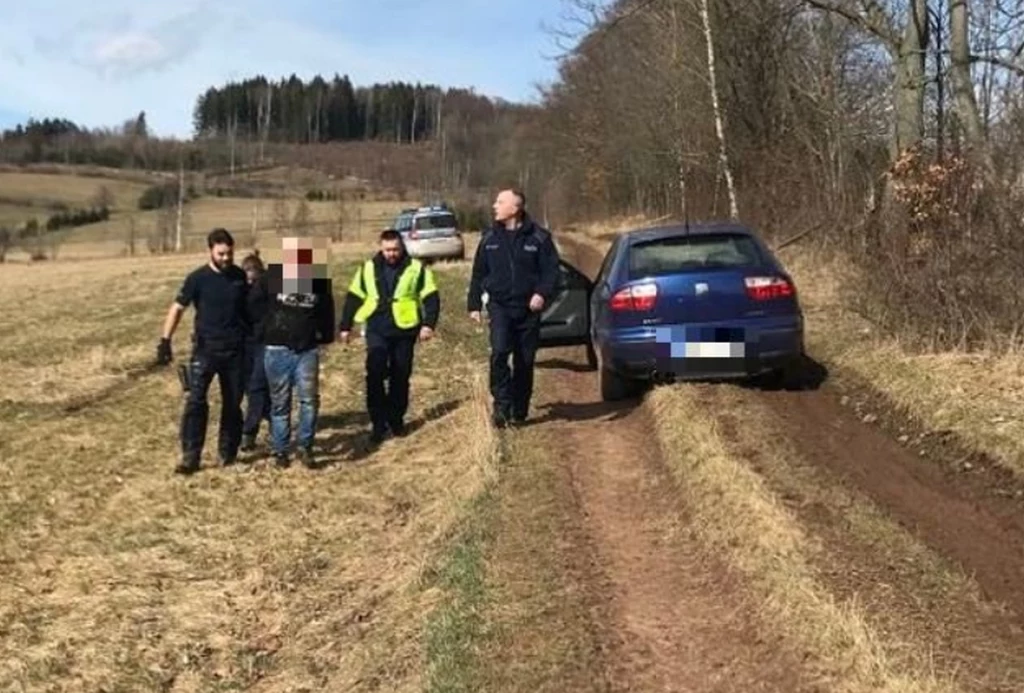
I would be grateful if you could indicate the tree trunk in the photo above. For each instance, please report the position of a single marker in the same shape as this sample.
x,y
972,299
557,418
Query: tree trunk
x,y
723,155
963,88
181,203
910,79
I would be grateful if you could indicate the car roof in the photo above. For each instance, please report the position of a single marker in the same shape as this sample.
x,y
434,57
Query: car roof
x,y
693,228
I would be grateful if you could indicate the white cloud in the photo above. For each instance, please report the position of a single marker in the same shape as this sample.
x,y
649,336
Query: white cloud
x,y
98,67
103,62
131,52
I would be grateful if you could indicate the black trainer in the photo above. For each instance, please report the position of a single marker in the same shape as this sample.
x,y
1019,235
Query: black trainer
x,y
248,442
281,460
307,459
186,467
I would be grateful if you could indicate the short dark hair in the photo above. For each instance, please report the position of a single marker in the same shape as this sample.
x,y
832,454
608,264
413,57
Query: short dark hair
x,y
219,236
390,235
521,195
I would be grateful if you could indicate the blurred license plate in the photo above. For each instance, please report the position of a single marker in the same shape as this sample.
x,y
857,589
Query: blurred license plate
x,y
715,350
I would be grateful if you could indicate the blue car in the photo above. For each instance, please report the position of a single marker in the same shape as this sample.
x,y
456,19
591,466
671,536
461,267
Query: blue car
x,y
706,301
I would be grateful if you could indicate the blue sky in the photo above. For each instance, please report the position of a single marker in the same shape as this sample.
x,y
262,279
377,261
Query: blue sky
x,y
102,62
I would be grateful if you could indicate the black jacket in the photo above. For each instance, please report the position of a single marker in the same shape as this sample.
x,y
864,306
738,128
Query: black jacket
x,y
511,266
382,322
299,321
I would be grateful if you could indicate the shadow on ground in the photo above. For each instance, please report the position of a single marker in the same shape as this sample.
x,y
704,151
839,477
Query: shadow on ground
x,y
564,365
584,411
810,375
355,445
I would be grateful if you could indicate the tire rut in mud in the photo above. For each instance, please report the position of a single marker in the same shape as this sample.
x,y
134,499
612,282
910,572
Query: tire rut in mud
x,y
679,620
982,534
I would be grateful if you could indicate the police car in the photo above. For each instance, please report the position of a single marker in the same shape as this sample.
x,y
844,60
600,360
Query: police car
x,y
431,232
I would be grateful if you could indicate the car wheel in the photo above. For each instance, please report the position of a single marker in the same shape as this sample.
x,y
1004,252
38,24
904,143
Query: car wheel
x,y
614,387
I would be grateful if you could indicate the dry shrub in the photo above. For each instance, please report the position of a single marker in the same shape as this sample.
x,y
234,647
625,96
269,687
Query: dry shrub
x,y
939,262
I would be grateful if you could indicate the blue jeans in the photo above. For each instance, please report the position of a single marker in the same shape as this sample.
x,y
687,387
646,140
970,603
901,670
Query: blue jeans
x,y
287,369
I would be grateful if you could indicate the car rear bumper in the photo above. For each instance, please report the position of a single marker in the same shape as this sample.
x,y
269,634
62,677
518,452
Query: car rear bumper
x,y
703,351
435,247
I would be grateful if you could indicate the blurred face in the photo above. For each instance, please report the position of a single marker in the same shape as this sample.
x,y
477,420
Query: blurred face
x,y
506,206
251,274
222,255
391,250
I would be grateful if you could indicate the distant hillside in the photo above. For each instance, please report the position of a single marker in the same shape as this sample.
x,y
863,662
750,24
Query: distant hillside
x,y
320,111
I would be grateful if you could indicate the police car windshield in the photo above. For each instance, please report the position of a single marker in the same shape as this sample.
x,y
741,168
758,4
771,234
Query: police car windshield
x,y
435,221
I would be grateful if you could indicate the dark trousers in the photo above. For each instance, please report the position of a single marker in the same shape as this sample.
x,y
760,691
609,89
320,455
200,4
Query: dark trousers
x,y
229,369
257,390
514,333
388,359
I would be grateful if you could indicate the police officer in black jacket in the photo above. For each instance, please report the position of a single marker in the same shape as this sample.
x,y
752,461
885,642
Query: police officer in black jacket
x,y
218,290
516,264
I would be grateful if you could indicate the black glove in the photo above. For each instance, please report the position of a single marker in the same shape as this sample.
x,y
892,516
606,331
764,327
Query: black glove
x,y
163,352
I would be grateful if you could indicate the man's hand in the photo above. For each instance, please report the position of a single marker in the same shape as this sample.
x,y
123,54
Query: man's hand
x,y
536,303
474,315
426,333
163,352
344,336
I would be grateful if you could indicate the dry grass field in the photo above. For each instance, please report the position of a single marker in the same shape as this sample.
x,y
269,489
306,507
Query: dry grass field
x,y
28,194
705,537
116,575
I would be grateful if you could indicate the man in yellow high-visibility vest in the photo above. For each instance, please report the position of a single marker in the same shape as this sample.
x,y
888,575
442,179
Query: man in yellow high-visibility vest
x,y
395,298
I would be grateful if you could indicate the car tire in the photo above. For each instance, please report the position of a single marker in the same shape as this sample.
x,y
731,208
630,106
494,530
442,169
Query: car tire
x,y
614,387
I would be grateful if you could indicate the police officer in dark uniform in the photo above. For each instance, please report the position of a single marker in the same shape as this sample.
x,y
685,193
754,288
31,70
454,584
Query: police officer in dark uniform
x,y
219,291
516,264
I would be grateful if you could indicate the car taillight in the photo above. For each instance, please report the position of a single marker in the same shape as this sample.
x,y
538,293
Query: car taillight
x,y
767,288
639,297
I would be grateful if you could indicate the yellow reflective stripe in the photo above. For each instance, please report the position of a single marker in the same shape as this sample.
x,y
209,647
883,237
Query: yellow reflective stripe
x,y
356,285
429,286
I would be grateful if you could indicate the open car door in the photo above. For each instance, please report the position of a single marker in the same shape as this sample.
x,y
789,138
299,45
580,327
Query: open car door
x,y
566,320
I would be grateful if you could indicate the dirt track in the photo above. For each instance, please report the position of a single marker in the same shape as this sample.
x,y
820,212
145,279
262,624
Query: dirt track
x,y
678,620
959,516
681,622
982,533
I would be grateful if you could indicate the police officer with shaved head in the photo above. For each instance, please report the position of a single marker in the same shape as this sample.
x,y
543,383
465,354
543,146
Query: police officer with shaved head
x,y
516,264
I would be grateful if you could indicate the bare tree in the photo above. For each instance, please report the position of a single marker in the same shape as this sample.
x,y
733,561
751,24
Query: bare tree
x,y
131,232
103,197
6,240
280,215
179,207
303,220
705,15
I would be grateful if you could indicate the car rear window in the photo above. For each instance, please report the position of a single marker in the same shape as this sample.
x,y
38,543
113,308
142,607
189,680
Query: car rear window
x,y
435,221
686,253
